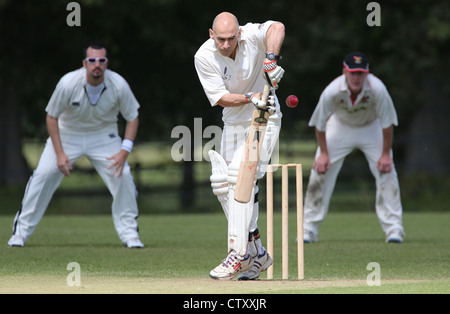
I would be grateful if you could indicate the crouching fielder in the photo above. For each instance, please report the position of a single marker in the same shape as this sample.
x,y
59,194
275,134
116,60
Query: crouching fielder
x,y
82,121
355,111
230,66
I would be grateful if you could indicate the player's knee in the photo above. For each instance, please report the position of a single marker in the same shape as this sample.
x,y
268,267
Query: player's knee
x,y
126,171
46,171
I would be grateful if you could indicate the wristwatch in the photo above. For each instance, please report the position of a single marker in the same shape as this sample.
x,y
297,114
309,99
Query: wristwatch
x,y
271,56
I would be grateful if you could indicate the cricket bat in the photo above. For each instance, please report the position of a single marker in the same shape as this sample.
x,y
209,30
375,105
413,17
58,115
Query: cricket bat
x,y
250,157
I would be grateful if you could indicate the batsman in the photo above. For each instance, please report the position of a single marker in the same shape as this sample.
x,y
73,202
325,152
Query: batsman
x,y
234,66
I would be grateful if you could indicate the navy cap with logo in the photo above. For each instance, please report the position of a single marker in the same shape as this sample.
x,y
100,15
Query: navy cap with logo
x,y
356,62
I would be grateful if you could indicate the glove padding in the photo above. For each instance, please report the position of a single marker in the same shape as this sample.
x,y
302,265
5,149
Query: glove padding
x,y
268,105
274,73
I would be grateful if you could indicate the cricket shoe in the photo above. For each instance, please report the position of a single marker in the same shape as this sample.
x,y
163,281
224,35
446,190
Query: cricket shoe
x,y
134,243
309,237
261,263
231,266
16,240
395,236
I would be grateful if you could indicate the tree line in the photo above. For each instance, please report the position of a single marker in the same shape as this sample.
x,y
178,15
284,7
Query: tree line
x,y
152,43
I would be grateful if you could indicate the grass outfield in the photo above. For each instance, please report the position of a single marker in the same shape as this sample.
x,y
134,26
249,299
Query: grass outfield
x,y
182,249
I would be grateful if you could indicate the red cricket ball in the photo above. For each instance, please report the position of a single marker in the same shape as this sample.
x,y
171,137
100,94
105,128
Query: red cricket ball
x,y
292,101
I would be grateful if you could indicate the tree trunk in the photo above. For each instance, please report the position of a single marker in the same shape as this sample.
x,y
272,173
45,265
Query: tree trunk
x,y
429,146
187,190
13,165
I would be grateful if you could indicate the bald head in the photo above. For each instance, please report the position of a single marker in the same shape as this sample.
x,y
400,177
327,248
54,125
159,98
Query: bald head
x,y
226,33
225,20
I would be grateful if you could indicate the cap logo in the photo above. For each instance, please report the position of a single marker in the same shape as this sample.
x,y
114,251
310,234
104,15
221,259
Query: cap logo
x,y
357,59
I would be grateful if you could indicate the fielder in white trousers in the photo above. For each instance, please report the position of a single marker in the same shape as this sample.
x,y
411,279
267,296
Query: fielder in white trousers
x,y
47,178
341,141
355,111
82,117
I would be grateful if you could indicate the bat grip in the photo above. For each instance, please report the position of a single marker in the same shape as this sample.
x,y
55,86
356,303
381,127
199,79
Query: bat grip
x,y
265,92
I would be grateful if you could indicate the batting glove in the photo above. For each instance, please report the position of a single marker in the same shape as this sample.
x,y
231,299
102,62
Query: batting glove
x,y
256,100
273,72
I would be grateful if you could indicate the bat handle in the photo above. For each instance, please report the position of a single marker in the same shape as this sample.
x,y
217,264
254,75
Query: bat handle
x,y
269,81
266,92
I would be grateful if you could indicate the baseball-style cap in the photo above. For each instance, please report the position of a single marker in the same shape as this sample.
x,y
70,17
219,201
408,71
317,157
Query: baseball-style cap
x,y
356,62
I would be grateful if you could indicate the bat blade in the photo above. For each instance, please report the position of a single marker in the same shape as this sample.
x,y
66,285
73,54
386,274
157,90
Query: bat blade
x,y
250,158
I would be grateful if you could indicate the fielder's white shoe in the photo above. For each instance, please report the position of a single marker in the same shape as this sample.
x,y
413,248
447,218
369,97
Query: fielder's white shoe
x,y
231,266
134,243
16,240
261,263
395,236
309,237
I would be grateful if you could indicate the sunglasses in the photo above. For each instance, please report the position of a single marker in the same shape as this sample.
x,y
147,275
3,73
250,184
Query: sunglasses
x,y
92,60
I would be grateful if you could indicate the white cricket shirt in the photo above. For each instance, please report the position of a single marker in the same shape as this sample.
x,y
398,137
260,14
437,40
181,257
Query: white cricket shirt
x,y
71,105
221,75
372,102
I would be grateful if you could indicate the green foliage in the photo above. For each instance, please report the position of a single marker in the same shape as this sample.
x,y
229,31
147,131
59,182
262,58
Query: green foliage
x,y
152,43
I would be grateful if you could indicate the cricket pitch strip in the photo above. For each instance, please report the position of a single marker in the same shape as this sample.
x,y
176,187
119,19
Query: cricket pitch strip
x,y
51,284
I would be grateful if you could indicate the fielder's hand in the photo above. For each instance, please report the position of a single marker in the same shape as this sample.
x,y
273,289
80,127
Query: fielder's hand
x,y
274,73
64,164
118,161
322,164
385,164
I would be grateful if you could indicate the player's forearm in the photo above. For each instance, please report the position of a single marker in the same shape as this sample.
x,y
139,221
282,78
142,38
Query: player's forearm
x,y
232,100
322,142
275,37
131,129
388,135
128,141
53,131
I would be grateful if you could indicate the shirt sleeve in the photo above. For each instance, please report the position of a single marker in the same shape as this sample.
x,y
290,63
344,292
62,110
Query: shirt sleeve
x,y
128,104
324,109
211,81
258,33
59,100
385,107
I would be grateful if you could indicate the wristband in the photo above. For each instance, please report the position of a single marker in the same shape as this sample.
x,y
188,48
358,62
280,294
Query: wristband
x,y
127,145
269,66
249,96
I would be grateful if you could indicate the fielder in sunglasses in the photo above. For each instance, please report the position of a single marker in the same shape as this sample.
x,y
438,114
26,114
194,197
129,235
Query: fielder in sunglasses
x,y
95,61
92,60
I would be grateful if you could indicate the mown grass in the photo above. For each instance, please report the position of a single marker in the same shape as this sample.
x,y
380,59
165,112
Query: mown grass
x,y
182,249
184,243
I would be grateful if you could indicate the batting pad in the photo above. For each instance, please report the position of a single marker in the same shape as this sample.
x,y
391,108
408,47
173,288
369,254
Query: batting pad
x,y
239,218
218,179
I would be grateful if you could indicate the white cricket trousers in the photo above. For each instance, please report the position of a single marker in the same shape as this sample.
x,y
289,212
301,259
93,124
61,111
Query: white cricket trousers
x,y
96,146
341,141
